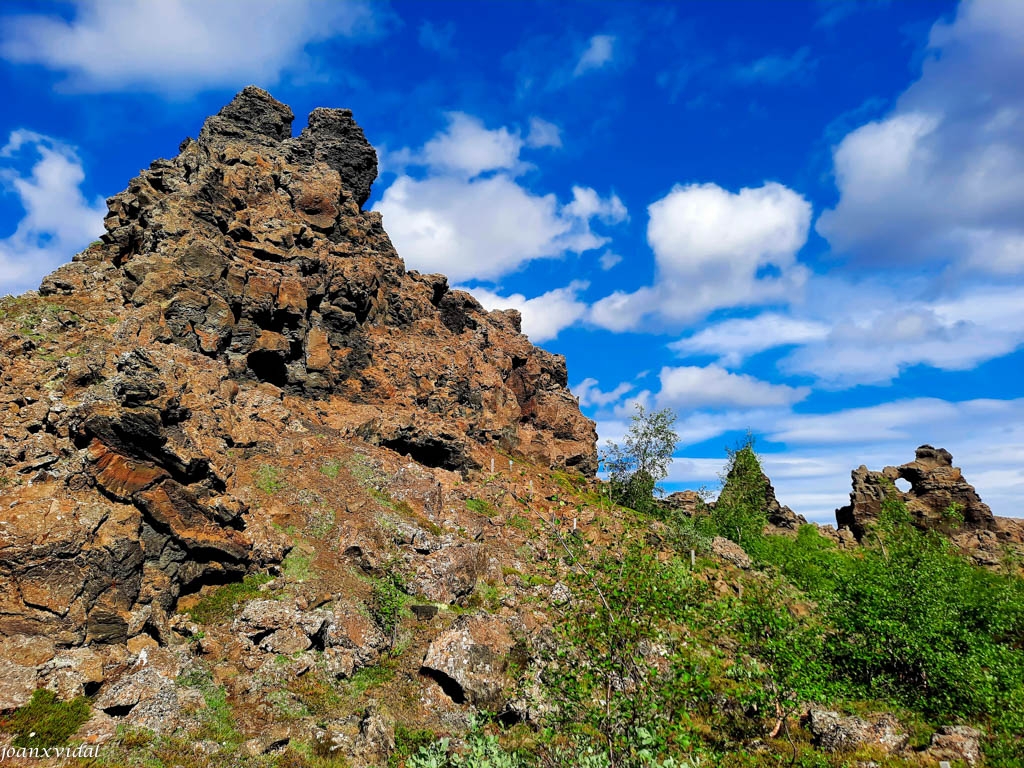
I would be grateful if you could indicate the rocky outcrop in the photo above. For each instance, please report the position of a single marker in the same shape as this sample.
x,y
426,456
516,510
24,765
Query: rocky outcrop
x,y
939,497
241,303
691,503
956,743
250,248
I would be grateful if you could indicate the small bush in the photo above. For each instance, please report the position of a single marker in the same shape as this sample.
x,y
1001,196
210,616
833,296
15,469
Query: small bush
x,y
479,506
387,604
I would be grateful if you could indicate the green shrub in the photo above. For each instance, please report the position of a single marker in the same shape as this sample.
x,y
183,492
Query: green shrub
x,y
479,506
605,673
482,751
740,513
387,603
46,721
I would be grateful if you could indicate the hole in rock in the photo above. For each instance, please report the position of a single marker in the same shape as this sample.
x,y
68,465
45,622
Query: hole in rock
x,y
508,718
119,711
428,452
903,485
91,688
269,367
216,578
451,688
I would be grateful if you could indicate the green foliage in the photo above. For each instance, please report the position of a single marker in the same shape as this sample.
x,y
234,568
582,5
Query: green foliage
x,y
269,479
408,742
221,604
637,466
46,721
740,513
297,566
387,603
919,623
786,661
480,506
623,645
909,620
482,751
216,720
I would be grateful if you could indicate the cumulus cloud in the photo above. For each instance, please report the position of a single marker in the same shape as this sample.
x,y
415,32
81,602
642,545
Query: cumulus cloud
x,y
469,148
599,52
471,218
941,178
180,45
58,220
712,386
715,248
544,316
876,344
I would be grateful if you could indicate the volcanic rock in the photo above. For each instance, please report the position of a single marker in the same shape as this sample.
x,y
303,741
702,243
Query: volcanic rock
x,y
939,497
240,302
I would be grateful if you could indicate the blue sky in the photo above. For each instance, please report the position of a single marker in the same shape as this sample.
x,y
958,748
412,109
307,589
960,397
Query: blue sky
x,y
805,219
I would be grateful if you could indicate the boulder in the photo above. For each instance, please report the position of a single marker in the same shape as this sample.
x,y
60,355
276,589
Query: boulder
x,y
834,733
469,660
956,743
240,294
730,552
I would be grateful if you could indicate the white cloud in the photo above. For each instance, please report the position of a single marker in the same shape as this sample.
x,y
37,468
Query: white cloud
x,y
543,134
468,148
608,260
587,204
874,339
58,219
732,341
599,52
712,386
180,45
775,69
590,394
544,316
942,177
480,228
471,219
714,249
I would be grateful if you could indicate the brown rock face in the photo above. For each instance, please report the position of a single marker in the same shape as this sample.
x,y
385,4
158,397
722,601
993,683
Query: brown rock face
x,y
938,498
240,299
